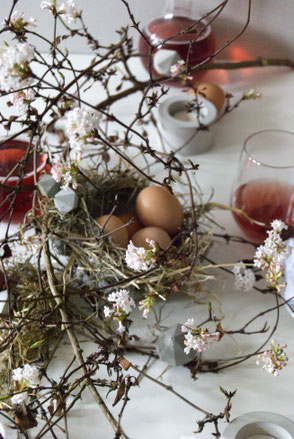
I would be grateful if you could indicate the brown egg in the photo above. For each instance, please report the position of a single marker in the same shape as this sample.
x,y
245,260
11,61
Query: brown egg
x,y
135,224
156,206
159,235
119,237
212,92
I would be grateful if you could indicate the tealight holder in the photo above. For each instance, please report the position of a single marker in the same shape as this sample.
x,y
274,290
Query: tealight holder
x,y
259,425
187,133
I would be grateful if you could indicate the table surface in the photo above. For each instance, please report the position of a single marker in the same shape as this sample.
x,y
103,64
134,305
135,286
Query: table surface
x,y
153,411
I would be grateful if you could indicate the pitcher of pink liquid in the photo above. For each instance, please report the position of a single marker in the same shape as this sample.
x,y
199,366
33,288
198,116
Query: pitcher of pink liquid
x,y
179,30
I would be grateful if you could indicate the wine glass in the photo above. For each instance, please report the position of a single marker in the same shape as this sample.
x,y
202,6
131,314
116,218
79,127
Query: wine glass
x,y
12,152
264,186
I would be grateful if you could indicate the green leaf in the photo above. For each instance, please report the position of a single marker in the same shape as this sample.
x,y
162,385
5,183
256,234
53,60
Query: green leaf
x,y
37,344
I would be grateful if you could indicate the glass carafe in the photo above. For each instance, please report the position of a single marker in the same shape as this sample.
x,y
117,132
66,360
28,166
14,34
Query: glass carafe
x,y
166,33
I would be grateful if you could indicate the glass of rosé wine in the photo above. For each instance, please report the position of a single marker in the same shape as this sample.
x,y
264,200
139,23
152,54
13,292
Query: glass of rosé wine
x,y
264,186
12,163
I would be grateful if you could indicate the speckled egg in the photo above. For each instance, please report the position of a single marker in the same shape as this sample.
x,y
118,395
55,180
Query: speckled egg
x,y
119,237
135,224
155,233
212,92
156,206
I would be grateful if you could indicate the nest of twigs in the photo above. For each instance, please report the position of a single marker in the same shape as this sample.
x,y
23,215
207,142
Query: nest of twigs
x,y
95,264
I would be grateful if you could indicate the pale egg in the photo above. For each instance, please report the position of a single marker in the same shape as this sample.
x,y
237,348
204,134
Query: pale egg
x,y
119,237
156,206
135,224
153,233
212,92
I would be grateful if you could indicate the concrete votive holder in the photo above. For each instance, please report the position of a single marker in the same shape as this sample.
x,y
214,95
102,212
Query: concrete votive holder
x,y
187,133
259,425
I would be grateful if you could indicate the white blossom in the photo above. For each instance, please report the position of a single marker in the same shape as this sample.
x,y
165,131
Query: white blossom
x,y
198,339
28,375
189,325
67,174
121,308
18,398
179,68
19,22
21,99
146,305
252,94
139,258
108,311
274,359
80,125
31,375
17,374
244,277
69,11
14,66
122,302
47,4
272,255
176,68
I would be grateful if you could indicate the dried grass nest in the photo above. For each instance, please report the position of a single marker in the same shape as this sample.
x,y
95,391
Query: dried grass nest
x,y
95,263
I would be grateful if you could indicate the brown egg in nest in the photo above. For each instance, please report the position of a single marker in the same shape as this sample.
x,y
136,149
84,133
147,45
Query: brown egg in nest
x,y
135,224
156,206
119,237
153,233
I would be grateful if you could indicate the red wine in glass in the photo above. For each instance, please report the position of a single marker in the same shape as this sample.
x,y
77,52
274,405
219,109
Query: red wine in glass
x,y
264,201
11,153
162,28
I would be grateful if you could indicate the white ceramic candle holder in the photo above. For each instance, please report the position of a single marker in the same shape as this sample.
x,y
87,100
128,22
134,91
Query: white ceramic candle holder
x,y
259,425
183,136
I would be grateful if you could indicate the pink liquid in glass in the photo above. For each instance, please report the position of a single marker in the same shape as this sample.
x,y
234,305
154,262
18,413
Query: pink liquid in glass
x,y
162,28
10,154
264,201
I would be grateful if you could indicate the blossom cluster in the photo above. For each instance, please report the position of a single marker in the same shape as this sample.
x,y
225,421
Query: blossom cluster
x,y
18,22
272,254
244,277
146,305
197,338
274,359
26,376
81,124
66,174
67,9
15,74
252,95
141,259
14,66
21,99
121,308
179,69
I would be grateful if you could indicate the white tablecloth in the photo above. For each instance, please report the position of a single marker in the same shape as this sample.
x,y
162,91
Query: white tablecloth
x,y
154,412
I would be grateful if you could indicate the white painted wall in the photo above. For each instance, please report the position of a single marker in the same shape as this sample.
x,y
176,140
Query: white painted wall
x,y
271,31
